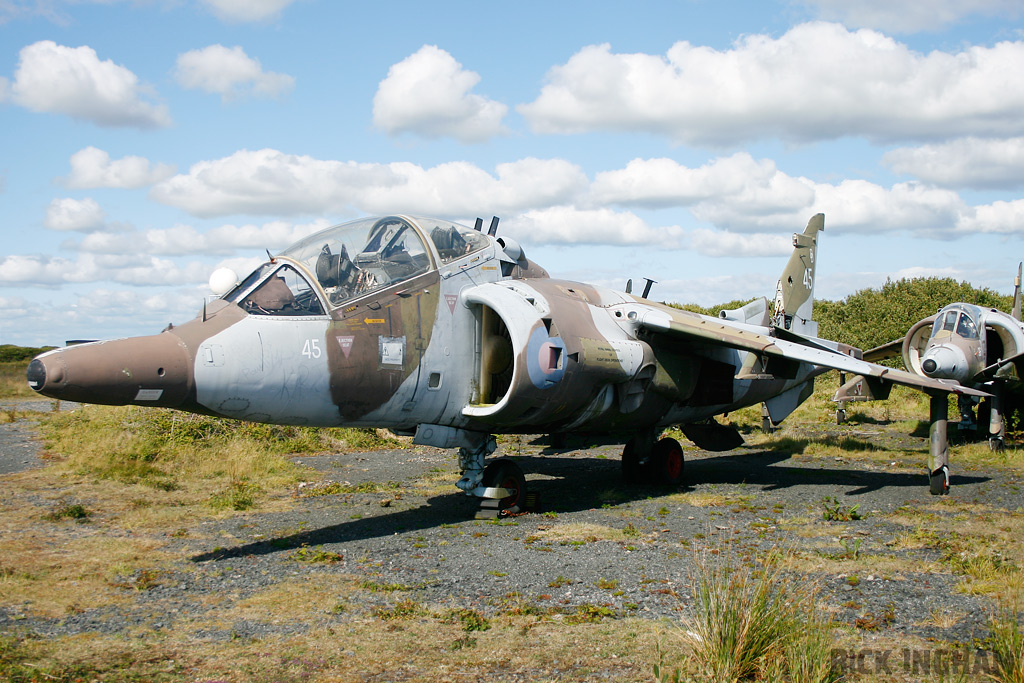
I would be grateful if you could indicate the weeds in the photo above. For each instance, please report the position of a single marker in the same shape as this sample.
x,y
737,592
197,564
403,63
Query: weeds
x,y
851,548
470,619
315,555
590,614
167,451
65,510
404,609
376,587
876,622
1007,641
836,512
752,621
332,488
239,495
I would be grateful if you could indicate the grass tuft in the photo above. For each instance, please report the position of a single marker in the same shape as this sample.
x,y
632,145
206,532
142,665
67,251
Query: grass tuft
x,y
1007,641
752,621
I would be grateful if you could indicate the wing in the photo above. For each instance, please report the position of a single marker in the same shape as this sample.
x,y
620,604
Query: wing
x,y
684,327
890,350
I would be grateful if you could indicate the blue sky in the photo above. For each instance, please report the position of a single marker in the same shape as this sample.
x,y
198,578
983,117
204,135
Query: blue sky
x,y
144,143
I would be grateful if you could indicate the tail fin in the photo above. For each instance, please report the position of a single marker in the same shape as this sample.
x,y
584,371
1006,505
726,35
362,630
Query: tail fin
x,y
794,297
1016,294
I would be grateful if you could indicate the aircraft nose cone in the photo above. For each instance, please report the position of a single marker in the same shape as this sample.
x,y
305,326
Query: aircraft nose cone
x,y
945,362
154,370
36,374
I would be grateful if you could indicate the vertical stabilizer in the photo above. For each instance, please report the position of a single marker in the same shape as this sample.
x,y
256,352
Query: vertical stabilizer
x,y
794,297
1016,295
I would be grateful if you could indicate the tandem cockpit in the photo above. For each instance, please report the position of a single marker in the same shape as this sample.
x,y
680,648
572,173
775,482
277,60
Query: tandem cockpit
x,y
956,319
351,261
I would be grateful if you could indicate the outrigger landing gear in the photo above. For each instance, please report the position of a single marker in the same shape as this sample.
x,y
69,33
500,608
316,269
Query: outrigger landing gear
x,y
661,463
938,453
996,424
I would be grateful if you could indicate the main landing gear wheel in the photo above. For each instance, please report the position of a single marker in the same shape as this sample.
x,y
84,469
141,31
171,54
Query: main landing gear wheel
x,y
663,466
632,468
507,475
667,463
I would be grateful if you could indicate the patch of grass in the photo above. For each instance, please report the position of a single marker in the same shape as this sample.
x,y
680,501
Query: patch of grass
x,y
404,609
12,378
203,460
369,439
315,555
24,660
591,614
580,533
754,621
239,495
1007,643
142,580
65,510
470,619
333,488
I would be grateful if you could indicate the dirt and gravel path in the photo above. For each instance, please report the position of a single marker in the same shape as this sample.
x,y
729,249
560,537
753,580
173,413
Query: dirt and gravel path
x,y
396,528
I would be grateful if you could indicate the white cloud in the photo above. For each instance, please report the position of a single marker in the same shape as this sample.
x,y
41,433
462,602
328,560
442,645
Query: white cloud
x,y
74,215
744,195
230,73
92,167
138,270
719,243
569,225
908,17
184,240
1004,217
428,94
756,184
271,182
73,81
236,11
965,162
460,188
817,81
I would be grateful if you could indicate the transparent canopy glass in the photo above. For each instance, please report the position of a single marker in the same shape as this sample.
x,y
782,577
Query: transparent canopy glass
x,y
364,255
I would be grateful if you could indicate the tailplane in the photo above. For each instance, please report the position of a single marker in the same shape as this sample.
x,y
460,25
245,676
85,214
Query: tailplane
x,y
794,297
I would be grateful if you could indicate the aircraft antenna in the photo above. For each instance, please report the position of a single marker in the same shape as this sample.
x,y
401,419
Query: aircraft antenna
x,y
494,226
479,224
647,287
629,286
269,256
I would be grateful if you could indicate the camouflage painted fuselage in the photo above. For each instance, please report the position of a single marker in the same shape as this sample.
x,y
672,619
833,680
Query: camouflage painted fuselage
x,y
469,335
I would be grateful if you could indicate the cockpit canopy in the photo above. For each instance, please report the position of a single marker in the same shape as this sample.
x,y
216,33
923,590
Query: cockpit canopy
x,y
958,320
354,259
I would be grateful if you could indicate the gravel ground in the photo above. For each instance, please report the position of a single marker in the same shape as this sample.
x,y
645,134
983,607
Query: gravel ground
x,y
425,543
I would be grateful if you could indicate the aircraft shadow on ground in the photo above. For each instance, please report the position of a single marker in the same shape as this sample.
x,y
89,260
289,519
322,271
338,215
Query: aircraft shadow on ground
x,y
586,483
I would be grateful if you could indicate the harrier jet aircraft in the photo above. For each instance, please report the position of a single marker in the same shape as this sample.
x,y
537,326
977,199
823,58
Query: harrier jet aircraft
x,y
448,334
977,347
